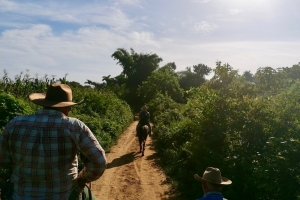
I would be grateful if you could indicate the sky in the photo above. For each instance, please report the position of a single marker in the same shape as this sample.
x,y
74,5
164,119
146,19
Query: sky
x,y
76,38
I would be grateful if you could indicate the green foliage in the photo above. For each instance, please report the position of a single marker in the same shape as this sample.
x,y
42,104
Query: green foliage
x,y
292,72
162,81
10,107
270,81
189,79
136,68
223,75
248,76
251,134
23,84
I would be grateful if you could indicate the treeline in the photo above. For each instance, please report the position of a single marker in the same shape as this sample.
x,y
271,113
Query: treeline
x,y
142,78
247,125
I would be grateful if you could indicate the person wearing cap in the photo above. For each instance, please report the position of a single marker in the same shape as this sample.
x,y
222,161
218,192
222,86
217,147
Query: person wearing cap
x,y
144,118
42,149
212,183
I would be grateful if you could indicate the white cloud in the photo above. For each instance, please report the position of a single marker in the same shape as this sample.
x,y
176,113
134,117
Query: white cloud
x,y
235,11
86,52
6,5
204,27
215,16
89,14
143,38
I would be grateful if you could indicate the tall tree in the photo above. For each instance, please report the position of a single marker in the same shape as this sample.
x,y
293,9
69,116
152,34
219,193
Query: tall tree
x,y
163,81
136,68
248,76
224,75
293,72
270,80
195,78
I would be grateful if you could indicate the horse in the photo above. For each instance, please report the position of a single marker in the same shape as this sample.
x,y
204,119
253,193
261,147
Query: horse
x,y
142,133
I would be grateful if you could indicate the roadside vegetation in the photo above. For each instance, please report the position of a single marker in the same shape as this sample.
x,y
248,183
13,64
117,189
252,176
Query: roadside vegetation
x,y
247,125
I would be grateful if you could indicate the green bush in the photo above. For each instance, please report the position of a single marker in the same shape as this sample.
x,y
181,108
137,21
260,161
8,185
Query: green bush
x,y
252,139
10,107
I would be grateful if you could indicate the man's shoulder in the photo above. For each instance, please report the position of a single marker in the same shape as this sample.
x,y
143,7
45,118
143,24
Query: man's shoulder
x,y
145,112
22,118
212,196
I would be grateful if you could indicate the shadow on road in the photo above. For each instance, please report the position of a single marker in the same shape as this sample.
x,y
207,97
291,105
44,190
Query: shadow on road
x,y
123,160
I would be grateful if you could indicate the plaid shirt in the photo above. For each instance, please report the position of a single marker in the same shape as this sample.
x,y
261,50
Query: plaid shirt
x,y
212,196
42,151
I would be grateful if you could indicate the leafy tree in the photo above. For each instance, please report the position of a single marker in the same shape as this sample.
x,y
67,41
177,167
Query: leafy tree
x,y
223,76
293,72
195,78
164,81
114,82
171,67
248,76
136,69
269,80
93,84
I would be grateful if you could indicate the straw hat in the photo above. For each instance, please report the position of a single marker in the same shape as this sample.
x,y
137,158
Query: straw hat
x,y
58,95
213,175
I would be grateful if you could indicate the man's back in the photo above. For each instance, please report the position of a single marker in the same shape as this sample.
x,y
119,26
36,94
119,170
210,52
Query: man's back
x,y
43,150
144,117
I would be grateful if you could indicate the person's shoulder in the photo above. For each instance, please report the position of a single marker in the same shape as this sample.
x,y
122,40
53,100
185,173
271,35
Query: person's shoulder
x,y
17,119
74,120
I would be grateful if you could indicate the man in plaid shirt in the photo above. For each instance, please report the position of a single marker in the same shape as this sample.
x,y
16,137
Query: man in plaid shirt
x,y
42,149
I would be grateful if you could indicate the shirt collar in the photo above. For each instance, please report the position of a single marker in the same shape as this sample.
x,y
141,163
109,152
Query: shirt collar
x,y
50,112
215,193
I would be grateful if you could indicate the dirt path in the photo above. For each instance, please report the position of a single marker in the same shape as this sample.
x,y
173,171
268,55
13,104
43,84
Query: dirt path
x,y
130,176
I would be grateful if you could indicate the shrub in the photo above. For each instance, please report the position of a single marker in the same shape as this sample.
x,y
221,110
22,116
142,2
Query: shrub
x,y
10,108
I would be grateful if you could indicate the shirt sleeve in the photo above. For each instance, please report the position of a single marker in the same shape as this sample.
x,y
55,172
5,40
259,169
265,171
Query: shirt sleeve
x,y
95,162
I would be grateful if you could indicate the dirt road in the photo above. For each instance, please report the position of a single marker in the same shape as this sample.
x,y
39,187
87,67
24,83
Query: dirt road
x,y
129,175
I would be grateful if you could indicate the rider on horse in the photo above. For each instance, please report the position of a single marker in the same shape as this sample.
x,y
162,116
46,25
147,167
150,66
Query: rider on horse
x,y
144,119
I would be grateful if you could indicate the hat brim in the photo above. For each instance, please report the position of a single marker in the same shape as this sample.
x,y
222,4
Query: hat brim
x,y
39,99
225,181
